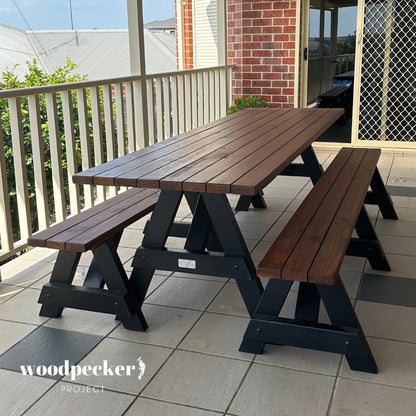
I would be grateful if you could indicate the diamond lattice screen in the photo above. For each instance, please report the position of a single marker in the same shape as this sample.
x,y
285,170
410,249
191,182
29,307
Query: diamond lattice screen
x,y
388,80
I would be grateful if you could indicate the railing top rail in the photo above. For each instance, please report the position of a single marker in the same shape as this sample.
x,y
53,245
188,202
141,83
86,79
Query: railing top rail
x,y
22,92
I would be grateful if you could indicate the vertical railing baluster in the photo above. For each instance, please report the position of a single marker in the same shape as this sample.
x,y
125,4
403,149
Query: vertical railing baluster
x,y
84,135
141,116
71,150
200,95
97,133
175,113
56,156
38,152
20,172
6,230
109,129
211,96
120,124
206,96
159,110
167,107
151,110
223,92
194,100
217,94
188,102
131,131
181,102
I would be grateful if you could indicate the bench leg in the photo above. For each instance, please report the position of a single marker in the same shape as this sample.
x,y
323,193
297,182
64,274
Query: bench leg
x,y
312,164
368,245
307,304
63,272
379,196
270,304
341,313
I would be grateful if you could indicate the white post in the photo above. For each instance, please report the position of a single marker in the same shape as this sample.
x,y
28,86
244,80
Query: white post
x,y
222,32
138,67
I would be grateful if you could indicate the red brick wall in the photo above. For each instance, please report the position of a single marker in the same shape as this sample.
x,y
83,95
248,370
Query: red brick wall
x,y
261,45
188,38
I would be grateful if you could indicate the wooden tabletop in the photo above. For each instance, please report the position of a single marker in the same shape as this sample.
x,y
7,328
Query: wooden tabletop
x,y
238,154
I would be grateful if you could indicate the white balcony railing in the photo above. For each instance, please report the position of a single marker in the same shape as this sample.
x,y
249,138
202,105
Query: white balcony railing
x,y
86,124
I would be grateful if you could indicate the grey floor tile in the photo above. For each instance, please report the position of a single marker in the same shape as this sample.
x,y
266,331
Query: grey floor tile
x,y
253,231
351,282
131,238
185,293
401,191
197,380
148,407
84,321
301,359
276,391
117,352
260,251
7,292
401,266
66,399
19,392
229,302
23,307
398,245
387,321
396,227
274,192
157,280
396,362
353,264
364,399
258,216
167,326
406,214
218,335
393,290
406,201
47,347
28,275
291,182
12,333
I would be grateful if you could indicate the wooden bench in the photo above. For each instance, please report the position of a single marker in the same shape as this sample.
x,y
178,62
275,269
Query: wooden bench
x,y
310,249
98,229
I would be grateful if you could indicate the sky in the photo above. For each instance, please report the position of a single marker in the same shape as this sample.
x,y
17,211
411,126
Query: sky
x,y
86,14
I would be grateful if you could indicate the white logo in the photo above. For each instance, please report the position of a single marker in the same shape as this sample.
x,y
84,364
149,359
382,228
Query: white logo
x,y
101,370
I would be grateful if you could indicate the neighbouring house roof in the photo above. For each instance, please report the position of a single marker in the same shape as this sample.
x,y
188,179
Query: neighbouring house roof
x,y
97,53
167,24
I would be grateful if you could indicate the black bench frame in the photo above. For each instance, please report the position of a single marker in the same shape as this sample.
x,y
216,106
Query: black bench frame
x,y
345,335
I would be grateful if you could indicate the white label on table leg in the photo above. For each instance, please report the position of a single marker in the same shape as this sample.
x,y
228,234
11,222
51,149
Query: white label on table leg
x,y
187,264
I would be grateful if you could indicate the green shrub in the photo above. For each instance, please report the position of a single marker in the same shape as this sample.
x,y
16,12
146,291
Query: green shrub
x,y
248,102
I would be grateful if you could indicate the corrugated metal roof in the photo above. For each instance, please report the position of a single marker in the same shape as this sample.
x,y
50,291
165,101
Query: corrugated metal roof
x,y
165,24
97,53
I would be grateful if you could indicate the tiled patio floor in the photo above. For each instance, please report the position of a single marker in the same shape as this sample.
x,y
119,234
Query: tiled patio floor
x,y
193,366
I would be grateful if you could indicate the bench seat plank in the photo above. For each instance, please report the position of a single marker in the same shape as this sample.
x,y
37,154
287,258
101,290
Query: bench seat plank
x,y
321,220
331,253
89,228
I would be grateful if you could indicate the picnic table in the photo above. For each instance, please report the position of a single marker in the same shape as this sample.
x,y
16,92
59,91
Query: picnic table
x,y
241,154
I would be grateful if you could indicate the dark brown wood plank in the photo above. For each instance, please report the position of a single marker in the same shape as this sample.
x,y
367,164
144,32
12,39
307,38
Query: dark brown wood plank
x,y
328,260
144,200
224,146
87,176
39,239
266,135
300,260
260,175
127,174
106,229
275,259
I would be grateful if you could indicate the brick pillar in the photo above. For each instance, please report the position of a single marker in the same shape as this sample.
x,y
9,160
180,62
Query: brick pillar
x,y
188,34
261,45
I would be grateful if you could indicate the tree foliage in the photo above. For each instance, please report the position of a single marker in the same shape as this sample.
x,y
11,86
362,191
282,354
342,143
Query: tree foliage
x,y
35,76
248,102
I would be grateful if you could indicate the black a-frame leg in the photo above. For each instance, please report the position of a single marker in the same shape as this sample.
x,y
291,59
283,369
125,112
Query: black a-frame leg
x,y
106,270
344,336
